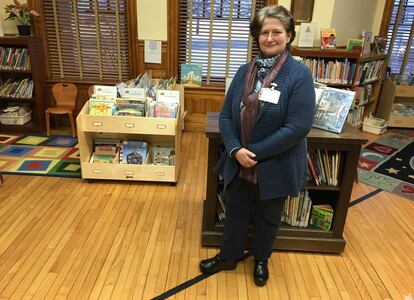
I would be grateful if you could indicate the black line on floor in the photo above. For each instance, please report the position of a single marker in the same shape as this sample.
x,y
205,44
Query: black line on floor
x,y
365,197
189,283
182,286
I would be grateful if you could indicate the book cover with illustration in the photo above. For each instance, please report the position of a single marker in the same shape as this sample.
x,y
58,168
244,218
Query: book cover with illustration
x,y
134,152
332,109
355,45
328,38
322,216
367,38
191,74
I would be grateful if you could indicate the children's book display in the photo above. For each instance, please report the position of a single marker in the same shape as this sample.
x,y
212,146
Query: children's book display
x,y
332,107
139,97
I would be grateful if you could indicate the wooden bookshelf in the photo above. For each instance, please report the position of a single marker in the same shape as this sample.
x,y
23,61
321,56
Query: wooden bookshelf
x,y
293,238
37,73
361,64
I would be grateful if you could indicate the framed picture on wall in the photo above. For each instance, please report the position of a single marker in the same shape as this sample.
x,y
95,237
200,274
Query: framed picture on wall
x,y
302,10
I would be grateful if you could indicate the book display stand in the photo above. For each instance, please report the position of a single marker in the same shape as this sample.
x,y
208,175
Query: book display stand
x,y
308,238
15,68
152,130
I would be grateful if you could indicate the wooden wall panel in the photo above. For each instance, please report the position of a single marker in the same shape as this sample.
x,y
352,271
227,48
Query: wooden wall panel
x,y
157,70
199,101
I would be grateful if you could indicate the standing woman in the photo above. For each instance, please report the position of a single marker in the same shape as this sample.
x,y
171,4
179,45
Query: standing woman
x,y
267,113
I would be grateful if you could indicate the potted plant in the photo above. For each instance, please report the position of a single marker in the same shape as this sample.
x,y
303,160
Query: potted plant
x,y
22,14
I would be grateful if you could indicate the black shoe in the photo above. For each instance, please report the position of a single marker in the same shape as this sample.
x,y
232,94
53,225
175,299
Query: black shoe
x,y
260,272
216,264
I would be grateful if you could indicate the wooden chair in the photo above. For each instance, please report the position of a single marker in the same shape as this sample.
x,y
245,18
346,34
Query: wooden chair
x,y
65,96
90,91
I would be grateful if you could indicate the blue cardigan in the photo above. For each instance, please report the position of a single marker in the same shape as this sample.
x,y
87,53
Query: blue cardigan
x,y
279,136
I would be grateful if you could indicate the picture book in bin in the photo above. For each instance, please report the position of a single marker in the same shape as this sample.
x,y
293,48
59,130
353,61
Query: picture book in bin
x,y
134,152
332,109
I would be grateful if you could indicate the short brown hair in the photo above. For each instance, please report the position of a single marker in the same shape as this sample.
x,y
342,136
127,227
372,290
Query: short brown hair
x,y
273,11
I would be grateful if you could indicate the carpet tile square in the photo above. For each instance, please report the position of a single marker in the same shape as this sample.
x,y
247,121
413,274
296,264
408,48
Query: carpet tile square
x,y
32,140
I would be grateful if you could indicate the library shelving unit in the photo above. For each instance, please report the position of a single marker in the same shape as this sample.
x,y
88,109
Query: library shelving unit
x,y
340,68
37,74
293,238
152,130
396,94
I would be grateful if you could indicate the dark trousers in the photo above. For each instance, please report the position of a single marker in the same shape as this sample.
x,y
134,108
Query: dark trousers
x,y
243,207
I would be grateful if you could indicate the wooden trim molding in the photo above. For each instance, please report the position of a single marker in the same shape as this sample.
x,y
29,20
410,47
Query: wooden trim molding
x,y
386,17
172,36
132,23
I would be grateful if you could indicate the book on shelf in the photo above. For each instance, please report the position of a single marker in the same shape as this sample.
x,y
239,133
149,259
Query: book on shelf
x,y
355,45
307,34
332,109
133,152
102,158
324,166
191,74
102,107
328,38
322,216
297,209
130,107
367,38
163,155
380,44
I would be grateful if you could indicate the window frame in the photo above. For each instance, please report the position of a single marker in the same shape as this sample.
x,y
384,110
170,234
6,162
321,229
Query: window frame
x,y
173,40
132,31
385,23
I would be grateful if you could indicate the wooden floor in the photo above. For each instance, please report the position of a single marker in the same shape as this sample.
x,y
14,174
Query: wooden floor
x,y
67,238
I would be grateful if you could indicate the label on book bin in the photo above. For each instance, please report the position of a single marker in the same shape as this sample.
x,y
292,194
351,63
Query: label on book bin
x,y
168,96
104,90
134,93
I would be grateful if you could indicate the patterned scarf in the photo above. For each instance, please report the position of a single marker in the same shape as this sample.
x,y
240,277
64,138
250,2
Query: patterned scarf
x,y
264,65
269,67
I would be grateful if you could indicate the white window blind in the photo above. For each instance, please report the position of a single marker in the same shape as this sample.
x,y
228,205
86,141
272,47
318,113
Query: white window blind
x,y
216,34
87,40
400,37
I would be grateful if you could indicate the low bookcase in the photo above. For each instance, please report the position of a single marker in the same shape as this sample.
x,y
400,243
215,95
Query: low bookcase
x,y
152,130
309,238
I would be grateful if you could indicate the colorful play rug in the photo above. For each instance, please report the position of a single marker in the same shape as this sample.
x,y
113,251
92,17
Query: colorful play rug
x,y
39,155
388,164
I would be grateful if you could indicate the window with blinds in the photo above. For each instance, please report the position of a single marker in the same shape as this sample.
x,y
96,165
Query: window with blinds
x,y
87,40
400,37
215,34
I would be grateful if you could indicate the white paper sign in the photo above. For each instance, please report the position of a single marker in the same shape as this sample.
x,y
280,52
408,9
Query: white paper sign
x,y
168,96
152,52
104,90
134,93
307,34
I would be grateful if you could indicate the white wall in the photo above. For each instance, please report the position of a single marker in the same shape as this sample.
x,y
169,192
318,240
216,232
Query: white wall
x,y
350,17
152,19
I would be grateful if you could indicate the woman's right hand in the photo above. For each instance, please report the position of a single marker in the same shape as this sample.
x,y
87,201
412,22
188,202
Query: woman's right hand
x,y
245,158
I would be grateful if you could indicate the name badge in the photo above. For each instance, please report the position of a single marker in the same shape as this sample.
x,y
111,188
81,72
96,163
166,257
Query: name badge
x,y
269,95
